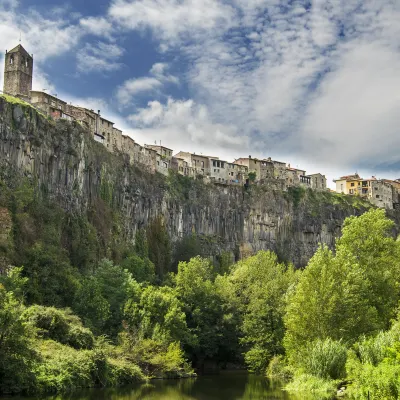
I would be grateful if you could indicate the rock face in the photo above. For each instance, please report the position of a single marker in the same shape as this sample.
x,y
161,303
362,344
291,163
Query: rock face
x,y
64,160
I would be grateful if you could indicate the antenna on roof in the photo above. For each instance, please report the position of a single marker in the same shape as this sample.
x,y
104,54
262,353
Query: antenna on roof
x,y
20,36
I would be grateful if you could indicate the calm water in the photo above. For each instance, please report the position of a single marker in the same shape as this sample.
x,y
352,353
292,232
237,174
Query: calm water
x,y
225,386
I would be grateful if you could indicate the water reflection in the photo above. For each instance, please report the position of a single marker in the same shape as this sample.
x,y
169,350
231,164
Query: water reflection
x,y
225,386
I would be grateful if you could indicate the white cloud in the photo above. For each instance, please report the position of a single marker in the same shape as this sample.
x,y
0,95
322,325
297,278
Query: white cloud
x,y
295,77
170,19
158,77
185,124
98,26
100,57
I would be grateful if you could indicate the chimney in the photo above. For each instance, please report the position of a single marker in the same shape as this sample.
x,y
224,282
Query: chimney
x,y
249,156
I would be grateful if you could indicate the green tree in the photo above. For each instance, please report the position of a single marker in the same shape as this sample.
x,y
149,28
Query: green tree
x,y
16,354
259,285
350,294
91,305
204,310
14,282
114,283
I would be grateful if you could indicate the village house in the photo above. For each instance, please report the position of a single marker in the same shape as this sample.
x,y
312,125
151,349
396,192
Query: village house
x,y
199,164
116,139
50,105
164,157
295,176
348,184
128,147
237,174
263,169
318,181
218,170
379,192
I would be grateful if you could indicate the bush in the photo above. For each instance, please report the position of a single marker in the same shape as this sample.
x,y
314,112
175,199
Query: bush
x,y
379,382
59,325
325,359
278,369
16,351
310,384
63,368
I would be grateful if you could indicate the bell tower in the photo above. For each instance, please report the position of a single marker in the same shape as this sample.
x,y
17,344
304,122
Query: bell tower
x,y
18,72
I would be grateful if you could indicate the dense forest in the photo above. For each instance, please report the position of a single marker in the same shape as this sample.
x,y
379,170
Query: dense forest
x,y
83,308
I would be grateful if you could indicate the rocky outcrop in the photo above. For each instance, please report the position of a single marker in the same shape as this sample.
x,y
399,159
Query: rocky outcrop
x,y
62,159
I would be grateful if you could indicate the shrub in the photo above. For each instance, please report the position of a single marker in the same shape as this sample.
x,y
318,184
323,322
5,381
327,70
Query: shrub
x,y
278,369
325,359
310,384
59,325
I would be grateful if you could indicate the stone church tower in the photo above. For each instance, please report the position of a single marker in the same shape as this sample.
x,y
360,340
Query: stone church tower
x,y
18,71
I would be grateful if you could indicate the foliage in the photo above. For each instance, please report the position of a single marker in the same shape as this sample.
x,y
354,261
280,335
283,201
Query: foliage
x,y
14,282
252,176
278,369
204,307
59,325
296,194
258,286
325,359
159,246
142,269
373,366
155,313
185,249
310,384
16,354
349,294
101,298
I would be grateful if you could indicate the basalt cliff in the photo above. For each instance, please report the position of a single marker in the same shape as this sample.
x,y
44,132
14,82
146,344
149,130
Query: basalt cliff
x,y
63,161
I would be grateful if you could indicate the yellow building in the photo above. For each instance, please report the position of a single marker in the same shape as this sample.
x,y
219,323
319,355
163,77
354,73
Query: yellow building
x,y
348,184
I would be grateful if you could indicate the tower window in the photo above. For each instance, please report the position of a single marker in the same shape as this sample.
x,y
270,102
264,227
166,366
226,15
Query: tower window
x,y
26,63
12,60
22,60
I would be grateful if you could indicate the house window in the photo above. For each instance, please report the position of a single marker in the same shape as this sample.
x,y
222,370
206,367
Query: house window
x,y
352,184
341,187
350,191
377,196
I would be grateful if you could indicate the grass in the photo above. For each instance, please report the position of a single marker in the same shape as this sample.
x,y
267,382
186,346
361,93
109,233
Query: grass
x,y
309,384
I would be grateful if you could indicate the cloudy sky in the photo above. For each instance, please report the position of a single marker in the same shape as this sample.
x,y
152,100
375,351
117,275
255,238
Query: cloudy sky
x,y
315,83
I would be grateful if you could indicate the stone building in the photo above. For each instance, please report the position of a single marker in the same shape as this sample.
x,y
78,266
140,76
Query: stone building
x,y
318,181
218,170
128,147
264,169
89,119
18,73
200,164
184,168
116,139
379,192
163,159
50,105
105,128
237,174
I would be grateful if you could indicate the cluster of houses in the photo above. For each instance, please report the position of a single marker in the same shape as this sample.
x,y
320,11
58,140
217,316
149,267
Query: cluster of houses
x,y
18,73
384,193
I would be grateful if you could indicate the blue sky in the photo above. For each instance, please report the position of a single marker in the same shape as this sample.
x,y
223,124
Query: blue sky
x,y
310,82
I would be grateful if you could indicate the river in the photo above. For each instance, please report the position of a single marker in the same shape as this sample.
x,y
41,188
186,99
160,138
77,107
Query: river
x,y
224,386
